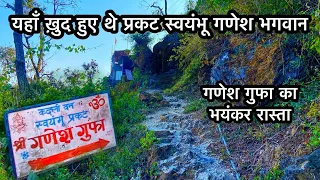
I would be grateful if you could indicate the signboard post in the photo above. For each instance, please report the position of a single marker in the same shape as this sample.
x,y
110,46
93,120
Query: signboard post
x,y
45,136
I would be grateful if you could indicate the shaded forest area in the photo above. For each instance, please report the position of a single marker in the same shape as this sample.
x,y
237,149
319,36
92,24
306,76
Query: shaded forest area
x,y
180,64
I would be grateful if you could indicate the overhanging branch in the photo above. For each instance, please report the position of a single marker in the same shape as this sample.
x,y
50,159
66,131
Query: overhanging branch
x,y
158,7
7,5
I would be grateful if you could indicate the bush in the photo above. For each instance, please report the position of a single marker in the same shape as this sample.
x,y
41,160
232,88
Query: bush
x,y
195,105
147,141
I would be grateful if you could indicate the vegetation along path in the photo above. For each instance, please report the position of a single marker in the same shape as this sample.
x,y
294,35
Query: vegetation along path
x,y
184,141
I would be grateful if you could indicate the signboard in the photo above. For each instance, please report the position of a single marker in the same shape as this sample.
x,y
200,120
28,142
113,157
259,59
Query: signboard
x,y
45,136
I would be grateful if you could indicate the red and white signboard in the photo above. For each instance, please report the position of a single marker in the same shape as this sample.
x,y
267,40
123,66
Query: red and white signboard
x,y
50,135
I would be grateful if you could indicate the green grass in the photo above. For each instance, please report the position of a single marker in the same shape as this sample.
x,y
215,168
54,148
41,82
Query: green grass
x,y
195,105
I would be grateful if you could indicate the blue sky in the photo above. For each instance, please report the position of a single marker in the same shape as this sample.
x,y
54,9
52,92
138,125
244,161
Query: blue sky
x,y
101,45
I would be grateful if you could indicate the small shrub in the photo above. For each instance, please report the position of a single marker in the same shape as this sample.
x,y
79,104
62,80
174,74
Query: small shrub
x,y
154,171
314,140
274,174
147,141
195,106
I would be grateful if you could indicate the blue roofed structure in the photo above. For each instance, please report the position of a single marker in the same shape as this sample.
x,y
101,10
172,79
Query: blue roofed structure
x,y
121,67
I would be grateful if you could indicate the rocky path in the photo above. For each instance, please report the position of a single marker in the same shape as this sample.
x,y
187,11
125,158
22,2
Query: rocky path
x,y
183,146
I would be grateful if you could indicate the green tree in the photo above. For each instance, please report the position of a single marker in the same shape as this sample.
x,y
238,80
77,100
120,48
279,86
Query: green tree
x,y
141,53
35,54
7,58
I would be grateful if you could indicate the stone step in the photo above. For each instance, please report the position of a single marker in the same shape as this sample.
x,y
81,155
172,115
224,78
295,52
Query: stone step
x,y
162,133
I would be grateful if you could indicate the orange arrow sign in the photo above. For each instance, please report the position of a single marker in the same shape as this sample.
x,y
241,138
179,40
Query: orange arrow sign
x,y
43,162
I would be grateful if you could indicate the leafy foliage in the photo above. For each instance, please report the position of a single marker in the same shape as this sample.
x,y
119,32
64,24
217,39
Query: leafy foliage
x,y
141,53
315,137
191,55
273,174
195,105
7,57
148,141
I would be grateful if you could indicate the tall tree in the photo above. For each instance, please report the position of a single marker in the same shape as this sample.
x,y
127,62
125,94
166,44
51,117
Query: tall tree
x,y
142,55
36,54
20,61
7,58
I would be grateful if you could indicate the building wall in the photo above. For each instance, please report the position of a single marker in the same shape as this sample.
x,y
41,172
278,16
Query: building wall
x,y
118,75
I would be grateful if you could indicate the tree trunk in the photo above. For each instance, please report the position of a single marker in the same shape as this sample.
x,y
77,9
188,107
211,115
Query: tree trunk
x,y
166,7
38,69
20,61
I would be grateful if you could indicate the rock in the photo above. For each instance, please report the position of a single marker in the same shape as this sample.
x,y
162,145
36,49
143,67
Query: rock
x,y
176,118
306,167
222,70
165,140
162,52
292,172
229,177
164,103
179,152
157,97
172,127
172,175
314,159
150,98
204,75
143,96
165,151
290,66
261,64
187,139
162,133
285,161
151,82
263,172
163,118
144,59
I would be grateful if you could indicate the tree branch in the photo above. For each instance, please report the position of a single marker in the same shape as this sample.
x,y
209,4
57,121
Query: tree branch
x,y
157,7
28,47
154,5
46,74
7,5
27,41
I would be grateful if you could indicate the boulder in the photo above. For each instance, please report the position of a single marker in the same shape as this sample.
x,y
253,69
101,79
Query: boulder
x,y
314,159
290,66
144,60
244,60
143,96
148,97
162,52
159,134
222,70
165,151
305,167
163,118
164,103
